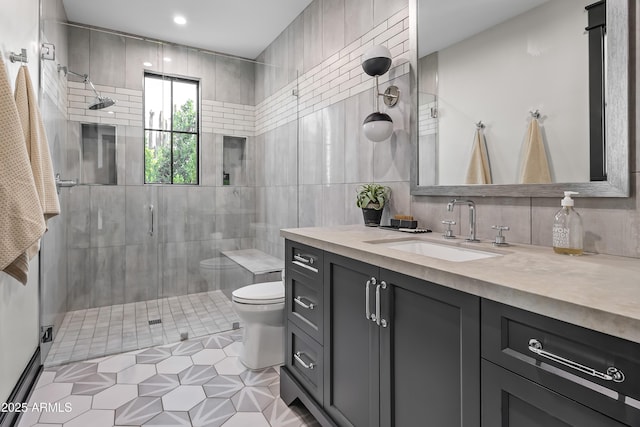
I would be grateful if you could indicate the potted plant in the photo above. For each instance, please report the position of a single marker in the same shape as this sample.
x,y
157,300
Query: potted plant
x,y
371,198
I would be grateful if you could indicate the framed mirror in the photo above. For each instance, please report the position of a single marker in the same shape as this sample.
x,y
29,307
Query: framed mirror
x,y
484,71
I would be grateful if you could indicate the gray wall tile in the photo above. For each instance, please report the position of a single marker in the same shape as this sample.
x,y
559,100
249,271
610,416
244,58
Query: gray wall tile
x,y
311,201
78,216
312,51
134,155
235,80
173,269
295,35
201,208
79,280
358,149
107,276
139,202
333,147
137,53
311,166
333,208
384,9
78,52
141,273
173,213
333,26
179,56
105,59
208,166
358,19
107,216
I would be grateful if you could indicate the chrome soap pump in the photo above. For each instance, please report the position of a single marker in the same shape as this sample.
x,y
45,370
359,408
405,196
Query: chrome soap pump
x,y
567,228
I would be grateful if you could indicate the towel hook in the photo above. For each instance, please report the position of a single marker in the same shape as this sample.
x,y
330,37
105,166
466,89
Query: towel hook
x,y
480,125
22,57
535,114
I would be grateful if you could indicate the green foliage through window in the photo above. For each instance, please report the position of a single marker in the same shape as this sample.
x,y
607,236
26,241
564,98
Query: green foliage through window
x,y
171,136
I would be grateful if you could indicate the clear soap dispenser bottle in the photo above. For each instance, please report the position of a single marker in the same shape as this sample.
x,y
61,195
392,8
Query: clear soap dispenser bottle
x,y
567,228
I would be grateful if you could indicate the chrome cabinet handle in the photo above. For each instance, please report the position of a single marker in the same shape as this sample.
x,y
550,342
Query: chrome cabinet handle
x,y
613,373
299,257
379,320
298,357
298,300
303,265
150,220
367,309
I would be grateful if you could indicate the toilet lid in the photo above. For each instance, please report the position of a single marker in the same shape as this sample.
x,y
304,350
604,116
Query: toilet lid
x,y
260,293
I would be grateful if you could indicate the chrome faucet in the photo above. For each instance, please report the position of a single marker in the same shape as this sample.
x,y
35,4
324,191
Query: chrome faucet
x,y
472,216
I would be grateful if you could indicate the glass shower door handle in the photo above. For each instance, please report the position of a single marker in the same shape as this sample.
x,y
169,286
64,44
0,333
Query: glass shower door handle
x,y
150,220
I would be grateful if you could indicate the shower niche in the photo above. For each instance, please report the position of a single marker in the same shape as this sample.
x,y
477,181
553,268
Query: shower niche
x,y
234,164
98,143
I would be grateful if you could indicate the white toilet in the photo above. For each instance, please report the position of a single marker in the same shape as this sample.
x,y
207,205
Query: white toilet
x,y
261,309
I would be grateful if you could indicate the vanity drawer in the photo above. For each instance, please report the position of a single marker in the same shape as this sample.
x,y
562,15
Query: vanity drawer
x,y
305,260
304,360
304,304
595,369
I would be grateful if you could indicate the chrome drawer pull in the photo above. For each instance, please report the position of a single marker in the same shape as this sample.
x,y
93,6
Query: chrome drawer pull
x,y
299,257
613,374
298,357
308,267
367,309
379,320
298,300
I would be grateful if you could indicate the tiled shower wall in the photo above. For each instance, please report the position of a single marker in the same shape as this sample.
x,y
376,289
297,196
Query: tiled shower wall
x,y
111,253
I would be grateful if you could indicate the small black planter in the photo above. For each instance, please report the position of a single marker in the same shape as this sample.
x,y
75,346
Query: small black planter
x,y
372,217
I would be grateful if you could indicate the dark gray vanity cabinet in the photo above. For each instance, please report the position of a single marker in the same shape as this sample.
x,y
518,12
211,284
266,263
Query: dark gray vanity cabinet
x,y
398,351
538,371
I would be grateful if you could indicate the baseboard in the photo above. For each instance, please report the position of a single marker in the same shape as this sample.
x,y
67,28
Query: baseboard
x,y
22,390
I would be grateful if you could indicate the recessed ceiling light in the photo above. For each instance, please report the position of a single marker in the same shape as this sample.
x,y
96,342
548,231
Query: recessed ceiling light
x,y
180,20
147,64
166,59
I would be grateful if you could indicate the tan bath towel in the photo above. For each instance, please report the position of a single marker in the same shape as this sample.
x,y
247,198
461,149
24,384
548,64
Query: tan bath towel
x,y
21,219
37,148
534,168
478,171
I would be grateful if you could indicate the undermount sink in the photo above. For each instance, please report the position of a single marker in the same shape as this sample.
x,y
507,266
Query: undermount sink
x,y
441,251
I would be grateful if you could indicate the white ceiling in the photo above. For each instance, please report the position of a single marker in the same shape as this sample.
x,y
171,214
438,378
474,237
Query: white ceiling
x,y
236,27
443,23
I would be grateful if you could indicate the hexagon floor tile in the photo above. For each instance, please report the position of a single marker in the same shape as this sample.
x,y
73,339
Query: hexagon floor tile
x,y
192,383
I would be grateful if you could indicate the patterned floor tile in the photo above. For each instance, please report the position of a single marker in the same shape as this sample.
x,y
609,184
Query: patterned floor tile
x,y
92,384
170,419
208,356
223,386
75,372
52,392
78,405
117,363
218,341
158,385
183,398
230,366
136,374
278,414
138,411
174,364
233,349
153,355
247,419
114,397
263,377
187,348
212,412
252,399
197,375
93,418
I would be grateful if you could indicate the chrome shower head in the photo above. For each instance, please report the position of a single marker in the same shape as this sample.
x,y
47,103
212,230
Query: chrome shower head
x,y
101,102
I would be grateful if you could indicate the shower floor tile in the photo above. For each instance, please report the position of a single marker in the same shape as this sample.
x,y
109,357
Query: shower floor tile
x,y
96,332
100,393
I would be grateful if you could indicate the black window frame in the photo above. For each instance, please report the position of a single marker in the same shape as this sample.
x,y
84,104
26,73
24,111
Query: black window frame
x,y
171,132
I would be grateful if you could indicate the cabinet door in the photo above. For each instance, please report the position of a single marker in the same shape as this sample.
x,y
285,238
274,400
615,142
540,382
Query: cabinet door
x,y
351,344
430,355
509,400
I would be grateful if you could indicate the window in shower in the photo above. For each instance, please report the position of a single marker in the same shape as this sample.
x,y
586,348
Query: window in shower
x,y
171,137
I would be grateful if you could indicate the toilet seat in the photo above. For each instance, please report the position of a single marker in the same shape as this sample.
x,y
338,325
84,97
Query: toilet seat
x,y
260,294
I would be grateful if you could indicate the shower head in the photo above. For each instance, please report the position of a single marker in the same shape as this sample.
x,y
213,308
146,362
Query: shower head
x,y
100,101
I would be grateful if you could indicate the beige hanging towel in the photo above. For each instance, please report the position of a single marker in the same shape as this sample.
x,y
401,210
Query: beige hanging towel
x,y
534,168
37,148
478,171
21,220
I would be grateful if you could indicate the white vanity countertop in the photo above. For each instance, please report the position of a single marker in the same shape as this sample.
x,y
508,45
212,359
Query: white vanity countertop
x,y
599,292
